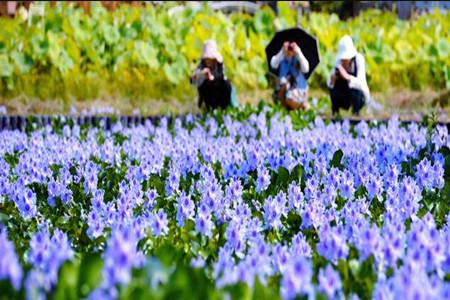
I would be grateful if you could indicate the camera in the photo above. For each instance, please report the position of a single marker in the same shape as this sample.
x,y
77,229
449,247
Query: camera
x,y
290,48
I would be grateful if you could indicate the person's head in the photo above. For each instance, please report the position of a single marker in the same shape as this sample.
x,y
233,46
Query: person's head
x,y
346,50
290,50
210,54
209,62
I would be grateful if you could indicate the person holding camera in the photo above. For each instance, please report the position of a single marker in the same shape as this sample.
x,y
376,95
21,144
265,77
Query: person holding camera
x,y
347,82
292,89
214,89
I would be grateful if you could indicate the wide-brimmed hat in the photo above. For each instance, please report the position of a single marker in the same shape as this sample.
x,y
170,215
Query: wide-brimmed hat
x,y
346,48
210,51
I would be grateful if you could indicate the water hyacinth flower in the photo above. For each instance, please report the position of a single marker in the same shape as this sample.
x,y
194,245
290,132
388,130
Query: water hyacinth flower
x,y
96,225
121,255
172,181
150,195
235,236
204,224
424,175
295,197
186,209
47,253
296,280
10,268
263,180
368,241
329,282
332,245
27,204
159,223
272,213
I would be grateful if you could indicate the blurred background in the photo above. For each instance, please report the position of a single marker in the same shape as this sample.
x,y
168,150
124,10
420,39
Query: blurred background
x,y
136,56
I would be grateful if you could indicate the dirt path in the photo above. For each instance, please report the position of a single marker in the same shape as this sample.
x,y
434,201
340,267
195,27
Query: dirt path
x,y
409,105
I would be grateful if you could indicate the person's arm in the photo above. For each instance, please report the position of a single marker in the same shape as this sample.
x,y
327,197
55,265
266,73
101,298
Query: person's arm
x,y
358,82
276,59
195,77
332,78
198,77
218,72
304,64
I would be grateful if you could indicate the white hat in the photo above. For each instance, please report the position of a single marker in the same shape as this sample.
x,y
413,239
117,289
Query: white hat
x,y
210,51
346,48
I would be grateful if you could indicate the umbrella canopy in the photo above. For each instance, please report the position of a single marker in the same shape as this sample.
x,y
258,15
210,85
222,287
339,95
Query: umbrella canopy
x,y
307,43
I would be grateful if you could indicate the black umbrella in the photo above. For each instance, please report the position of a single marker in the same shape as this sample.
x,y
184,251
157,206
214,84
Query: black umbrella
x,y
308,44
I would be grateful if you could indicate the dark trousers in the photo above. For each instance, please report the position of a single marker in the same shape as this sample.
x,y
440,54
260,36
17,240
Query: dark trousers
x,y
344,97
215,93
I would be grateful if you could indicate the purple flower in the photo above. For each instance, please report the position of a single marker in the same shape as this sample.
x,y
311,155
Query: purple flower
x,y
332,243
47,253
368,241
329,281
10,268
263,180
151,199
346,188
295,197
272,213
235,235
27,204
96,225
172,181
204,224
186,209
424,175
160,224
120,257
296,280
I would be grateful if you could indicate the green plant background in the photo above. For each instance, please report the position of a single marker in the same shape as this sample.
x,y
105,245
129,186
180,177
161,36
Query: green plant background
x,y
143,52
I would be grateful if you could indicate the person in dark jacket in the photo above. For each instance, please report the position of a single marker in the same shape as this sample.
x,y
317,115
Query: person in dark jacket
x,y
214,88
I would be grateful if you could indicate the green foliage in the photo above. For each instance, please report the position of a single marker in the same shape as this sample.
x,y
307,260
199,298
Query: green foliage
x,y
145,52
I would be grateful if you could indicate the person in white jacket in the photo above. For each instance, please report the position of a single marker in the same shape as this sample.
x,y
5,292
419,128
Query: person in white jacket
x,y
347,82
292,65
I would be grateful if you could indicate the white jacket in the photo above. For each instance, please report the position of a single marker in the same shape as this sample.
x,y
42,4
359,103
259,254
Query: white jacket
x,y
276,60
357,82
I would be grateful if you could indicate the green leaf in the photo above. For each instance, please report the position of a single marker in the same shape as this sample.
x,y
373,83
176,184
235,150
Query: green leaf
x,y
54,48
110,33
66,287
146,54
287,15
23,62
6,68
263,21
90,274
355,267
174,72
443,47
336,160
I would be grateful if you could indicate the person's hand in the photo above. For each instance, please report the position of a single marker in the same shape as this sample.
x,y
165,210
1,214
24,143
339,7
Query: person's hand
x,y
343,73
208,74
285,47
333,78
295,47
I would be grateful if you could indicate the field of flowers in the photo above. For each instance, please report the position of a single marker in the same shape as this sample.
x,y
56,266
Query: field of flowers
x,y
255,205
